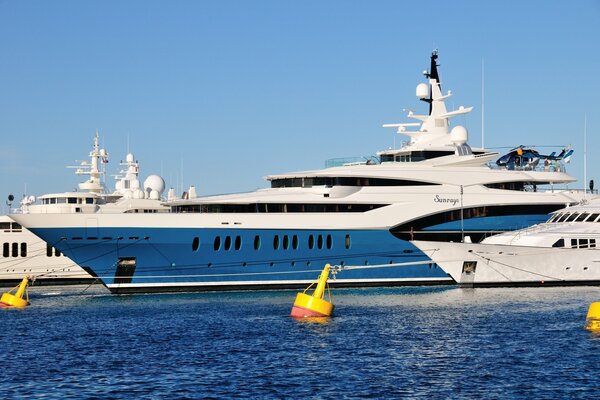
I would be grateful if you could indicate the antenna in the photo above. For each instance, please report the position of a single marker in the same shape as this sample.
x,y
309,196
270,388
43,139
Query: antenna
x,y
482,104
584,155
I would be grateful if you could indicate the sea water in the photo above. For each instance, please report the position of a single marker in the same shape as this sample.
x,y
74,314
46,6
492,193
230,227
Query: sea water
x,y
420,342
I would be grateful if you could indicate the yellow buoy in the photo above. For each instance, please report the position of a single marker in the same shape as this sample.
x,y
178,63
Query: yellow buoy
x,y
16,300
314,305
592,321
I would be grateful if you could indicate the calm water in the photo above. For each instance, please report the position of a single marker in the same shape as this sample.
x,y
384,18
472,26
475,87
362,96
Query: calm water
x,y
382,343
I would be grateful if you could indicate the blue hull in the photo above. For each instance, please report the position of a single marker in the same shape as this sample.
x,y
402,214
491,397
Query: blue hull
x,y
168,259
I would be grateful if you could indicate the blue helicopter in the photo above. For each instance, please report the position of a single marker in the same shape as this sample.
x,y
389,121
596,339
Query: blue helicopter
x,y
528,158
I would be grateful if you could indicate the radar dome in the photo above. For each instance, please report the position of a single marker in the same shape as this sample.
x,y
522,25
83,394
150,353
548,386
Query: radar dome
x,y
129,158
459,135
154,182
138,194
422,90
134,184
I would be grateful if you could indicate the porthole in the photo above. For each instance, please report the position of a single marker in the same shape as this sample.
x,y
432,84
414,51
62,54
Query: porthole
x,y
329,242
195,244
271,263
48,250
217,244
256,242
311,242
23,249
238,242
295,242
293,263
342,263
276,242
320,242
308,263
286,242
347,242
227,243
244,264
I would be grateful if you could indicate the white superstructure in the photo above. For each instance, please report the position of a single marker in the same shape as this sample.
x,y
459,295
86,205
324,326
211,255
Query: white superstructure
x,y
565,250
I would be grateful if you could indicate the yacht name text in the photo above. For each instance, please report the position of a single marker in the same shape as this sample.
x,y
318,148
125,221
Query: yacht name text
x,y
438,199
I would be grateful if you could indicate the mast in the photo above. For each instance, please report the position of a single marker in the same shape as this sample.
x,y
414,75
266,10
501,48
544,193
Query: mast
x,y
432,75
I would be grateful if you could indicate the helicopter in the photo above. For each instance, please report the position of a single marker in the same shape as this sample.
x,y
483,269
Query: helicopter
x,y
526,157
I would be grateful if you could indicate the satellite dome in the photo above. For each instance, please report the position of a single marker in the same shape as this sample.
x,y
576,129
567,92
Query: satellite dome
x,y
154,195
138,194
422,90
154,182
134,184
459,135
129,158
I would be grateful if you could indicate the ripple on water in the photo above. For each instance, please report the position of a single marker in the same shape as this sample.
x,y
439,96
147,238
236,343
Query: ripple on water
x,y
382,343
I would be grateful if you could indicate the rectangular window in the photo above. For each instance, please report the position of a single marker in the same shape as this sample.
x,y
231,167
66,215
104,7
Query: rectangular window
x,y
583,243
582,217
16,227
23,249
573,243
48,250
592,218
5,252
15,250
5,226
72,200
592,243
572,217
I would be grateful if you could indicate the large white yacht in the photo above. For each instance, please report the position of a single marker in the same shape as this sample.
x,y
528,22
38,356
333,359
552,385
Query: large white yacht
x,y
565,250
357,215
23,253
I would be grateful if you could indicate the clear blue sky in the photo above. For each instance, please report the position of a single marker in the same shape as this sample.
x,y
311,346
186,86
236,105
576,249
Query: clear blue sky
x,y
236,90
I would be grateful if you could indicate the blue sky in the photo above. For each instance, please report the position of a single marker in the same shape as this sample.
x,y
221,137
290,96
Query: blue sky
x,y
236,90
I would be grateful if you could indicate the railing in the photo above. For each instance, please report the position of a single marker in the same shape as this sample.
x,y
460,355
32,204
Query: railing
x,y
554,166
347,161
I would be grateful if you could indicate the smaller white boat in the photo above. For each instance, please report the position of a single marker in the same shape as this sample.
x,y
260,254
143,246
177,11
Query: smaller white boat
x,y
23,253
565,250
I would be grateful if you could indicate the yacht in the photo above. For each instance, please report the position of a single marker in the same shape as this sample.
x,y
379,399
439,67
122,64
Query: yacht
x,y
356,214
565,250
23,253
